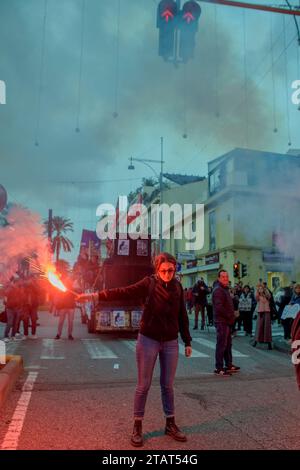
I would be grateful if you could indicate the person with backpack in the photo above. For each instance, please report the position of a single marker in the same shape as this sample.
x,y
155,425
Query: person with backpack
x,y
164,316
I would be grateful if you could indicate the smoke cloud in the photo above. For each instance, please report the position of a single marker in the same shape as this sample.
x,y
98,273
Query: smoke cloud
x,y
21,237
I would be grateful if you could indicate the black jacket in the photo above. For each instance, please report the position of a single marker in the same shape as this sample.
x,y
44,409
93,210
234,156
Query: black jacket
x,y
222,305
200,292
164,313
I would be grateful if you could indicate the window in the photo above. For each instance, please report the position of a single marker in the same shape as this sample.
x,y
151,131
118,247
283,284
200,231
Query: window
x,y
217,180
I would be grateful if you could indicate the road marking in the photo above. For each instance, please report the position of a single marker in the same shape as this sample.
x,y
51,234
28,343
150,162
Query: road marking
x,y
195,353
12,436
35,367
131,344
98,350
12,346
212,345
49,349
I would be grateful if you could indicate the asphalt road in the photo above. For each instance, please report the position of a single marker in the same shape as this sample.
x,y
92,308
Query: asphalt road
x,y
79,395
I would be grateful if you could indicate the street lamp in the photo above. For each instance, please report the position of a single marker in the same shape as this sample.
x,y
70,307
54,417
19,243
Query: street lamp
x,y
159,176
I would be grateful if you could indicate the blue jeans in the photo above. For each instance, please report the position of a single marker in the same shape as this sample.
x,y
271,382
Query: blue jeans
x,y
13,315
224,346
147,350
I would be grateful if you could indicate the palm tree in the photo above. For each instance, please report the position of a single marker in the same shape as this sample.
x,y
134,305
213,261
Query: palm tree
x,y
60,226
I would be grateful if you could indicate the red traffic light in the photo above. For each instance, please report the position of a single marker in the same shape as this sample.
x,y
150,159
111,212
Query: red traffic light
x,y
236,269
167,10
191,12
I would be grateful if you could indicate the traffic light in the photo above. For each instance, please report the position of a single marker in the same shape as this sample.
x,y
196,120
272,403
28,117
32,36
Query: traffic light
x,y
236,269
244,270
166,22
190,15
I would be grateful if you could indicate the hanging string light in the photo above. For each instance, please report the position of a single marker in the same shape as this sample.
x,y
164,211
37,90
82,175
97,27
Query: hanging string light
x,y
245,81
184,135
217,98
275,129
116,97
298,62
77,129
286,83
41,74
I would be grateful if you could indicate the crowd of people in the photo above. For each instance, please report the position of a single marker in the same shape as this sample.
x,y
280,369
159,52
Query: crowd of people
x,y
25,292
22,298
250,303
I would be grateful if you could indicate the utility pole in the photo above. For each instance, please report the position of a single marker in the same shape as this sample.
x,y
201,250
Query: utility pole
x,y
159,177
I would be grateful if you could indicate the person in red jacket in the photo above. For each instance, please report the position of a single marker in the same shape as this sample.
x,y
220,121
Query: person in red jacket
x,y
164,316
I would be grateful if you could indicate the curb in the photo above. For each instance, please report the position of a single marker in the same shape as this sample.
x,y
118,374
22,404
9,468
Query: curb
x,y
9,375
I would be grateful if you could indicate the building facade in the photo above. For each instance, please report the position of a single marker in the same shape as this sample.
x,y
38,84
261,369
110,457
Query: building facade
x,y
251,218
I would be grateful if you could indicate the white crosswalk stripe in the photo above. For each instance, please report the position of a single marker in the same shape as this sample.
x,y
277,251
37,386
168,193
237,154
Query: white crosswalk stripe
x,y
131,345
11,347
195,353
212,345
98,350
50,349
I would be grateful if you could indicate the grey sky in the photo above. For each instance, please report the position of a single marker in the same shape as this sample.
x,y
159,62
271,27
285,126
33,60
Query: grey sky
x,y
153,98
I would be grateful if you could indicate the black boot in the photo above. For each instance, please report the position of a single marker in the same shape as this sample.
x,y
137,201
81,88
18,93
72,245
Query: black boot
x,y
137,436
270,346
254,344
173,431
